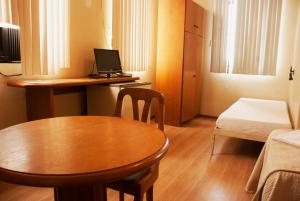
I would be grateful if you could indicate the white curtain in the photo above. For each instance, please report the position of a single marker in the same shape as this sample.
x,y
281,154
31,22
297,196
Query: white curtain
x,y
44,32
54,35
29,32
106,23
219,41
5,11
9,12
133,34
251,40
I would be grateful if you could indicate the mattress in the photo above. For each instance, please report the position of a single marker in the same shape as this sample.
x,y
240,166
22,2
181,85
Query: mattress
x,y
249,115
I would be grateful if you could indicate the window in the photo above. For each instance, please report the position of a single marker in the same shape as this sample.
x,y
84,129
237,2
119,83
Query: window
x,y
245,36
133,32
44,26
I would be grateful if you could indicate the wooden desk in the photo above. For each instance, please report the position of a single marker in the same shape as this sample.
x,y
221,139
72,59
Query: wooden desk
x,y
76,155
40,93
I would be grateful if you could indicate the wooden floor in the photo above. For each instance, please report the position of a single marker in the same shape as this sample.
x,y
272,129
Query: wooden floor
x,y
187,173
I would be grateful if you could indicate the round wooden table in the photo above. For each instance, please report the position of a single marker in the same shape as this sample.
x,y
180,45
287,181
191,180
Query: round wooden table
x,y
77,155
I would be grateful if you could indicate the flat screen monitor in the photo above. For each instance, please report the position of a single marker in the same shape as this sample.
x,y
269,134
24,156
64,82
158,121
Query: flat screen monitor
x,y
107,61
9,44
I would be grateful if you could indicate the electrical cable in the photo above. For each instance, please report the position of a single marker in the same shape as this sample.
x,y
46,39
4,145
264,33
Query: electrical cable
x,y
93,68
12,75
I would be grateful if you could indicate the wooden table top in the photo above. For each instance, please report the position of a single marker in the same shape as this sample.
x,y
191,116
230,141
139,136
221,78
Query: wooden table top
x,y
68,82
81,149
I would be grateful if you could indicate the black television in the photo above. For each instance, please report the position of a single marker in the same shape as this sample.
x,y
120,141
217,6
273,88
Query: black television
x,y
9,44
107,61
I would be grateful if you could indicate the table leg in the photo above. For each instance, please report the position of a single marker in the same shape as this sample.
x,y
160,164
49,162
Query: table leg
x,y
84,101
40,103
95,192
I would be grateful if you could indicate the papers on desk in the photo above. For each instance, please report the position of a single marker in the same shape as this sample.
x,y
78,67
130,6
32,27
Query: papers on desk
x,y
292,137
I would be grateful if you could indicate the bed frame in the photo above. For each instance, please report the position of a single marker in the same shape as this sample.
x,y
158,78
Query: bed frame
x,y
246,136
254,136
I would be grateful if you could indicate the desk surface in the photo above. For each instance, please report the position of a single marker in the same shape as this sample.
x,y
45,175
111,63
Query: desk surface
x,y
68,82
40,93
72,150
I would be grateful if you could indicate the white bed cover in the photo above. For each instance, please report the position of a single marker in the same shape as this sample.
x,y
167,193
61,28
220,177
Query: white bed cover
x,y
249,115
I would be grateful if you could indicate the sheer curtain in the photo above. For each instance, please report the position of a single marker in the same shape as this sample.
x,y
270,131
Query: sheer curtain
x,y
54,35
219,41
8,12
44,33
5,11
133,32
250,31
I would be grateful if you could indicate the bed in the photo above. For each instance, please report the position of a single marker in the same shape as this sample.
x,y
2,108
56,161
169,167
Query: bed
x,y
252,119
276,175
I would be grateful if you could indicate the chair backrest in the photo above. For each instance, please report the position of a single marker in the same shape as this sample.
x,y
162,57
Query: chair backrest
x,y
146,95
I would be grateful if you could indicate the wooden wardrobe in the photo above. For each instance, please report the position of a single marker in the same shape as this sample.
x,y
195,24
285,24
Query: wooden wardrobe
x,y
179,58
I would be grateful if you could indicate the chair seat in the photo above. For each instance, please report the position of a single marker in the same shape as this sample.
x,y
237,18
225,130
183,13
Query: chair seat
x,y
129,184
137,182
137,176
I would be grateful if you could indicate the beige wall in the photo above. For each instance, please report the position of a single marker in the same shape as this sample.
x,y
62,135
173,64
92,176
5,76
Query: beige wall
x,y
204,3
221,90
12,100
86,33
294,96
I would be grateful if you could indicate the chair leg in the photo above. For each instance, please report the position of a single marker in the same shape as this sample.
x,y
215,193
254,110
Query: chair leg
x,y
213,145
104,193
121,196
149,194
138,197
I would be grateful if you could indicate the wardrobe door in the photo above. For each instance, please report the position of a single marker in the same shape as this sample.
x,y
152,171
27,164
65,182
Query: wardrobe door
x,y
189,85
190,16
199,21
169,62
194,18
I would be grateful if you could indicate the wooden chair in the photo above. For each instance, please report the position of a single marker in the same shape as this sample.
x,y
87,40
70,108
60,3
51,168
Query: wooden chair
x,y
141,182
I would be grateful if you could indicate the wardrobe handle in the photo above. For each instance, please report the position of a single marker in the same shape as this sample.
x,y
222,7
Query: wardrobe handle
x,y
194,75
196,26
